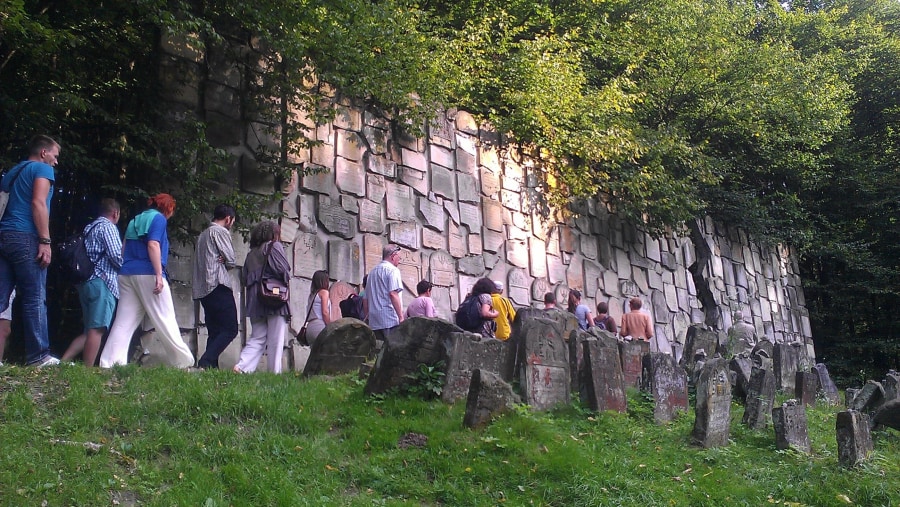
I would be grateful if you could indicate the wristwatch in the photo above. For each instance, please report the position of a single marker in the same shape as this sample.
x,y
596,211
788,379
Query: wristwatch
x,y
44,241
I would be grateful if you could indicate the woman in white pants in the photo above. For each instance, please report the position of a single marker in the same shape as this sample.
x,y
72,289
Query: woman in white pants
x,y
268,325
144,289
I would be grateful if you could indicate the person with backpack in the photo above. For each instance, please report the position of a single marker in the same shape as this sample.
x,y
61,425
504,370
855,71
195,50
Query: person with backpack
x,y
507,314
476,313
100,293
25,244
603,320
581,311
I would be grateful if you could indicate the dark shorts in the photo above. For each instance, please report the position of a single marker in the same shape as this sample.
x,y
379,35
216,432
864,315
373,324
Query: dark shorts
x,y
97,304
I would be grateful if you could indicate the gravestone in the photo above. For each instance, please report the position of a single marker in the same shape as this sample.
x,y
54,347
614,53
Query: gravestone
x,y
632,354
869,398
891,385
309,255
760,399
712,423
854,440
850,395
698,337
826,385
741,366
667,383
415,341
469,353
442,269
336,221
544,374
488,397
605,384
791,428
807,386
785,364
889,414
340,348
344,261
370,218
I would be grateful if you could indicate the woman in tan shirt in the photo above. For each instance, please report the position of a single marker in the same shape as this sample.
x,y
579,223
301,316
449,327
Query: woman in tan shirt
x,y
635,323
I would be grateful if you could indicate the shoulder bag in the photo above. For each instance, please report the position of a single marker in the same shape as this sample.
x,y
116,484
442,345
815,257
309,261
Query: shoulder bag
x,y
273,292
4,194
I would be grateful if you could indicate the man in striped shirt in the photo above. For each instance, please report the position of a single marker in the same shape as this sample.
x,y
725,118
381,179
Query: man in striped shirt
x,y
100,293
213,257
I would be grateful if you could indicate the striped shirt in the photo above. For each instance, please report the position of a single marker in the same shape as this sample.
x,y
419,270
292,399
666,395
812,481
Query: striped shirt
x,y
214,243
104,247
383,279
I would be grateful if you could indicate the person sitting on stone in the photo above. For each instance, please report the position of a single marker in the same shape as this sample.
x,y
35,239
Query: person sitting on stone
x,y
635,323
482,290
422,306
741,336
604,320
507,313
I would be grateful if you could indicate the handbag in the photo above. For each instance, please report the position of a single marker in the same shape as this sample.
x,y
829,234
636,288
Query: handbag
x,y
301,335
4,194
273,292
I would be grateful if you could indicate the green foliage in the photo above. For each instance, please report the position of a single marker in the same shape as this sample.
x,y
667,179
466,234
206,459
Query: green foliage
x,y
81,436
427,381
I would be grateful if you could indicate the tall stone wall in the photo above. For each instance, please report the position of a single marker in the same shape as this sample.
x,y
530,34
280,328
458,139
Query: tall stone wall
x,y
463,206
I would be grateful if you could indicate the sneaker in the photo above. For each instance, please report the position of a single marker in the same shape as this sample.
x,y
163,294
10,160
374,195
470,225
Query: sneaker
x,y
48,361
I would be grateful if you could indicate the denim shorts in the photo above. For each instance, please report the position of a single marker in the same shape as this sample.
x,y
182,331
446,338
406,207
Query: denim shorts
x,y
98,305
7,314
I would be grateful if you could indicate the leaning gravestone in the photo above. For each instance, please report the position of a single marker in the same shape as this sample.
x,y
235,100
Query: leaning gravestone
x,y
544,374
632,354
576,360
869,398
469,352
742,367
889,414
791,428
891,385
712,424
760,398
603,379
699,336
853,438
340,348
488,397
826,385
762,354
806,387
667,383
415,341
786,362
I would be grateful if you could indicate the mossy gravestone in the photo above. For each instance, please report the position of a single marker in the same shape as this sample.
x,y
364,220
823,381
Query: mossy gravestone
x,y
712,423
667,382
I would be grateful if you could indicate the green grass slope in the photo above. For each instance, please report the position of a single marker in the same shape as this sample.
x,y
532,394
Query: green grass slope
x,y
155,436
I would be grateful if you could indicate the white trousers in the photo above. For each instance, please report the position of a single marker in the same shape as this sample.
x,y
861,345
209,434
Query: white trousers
x,y
137,300
266,335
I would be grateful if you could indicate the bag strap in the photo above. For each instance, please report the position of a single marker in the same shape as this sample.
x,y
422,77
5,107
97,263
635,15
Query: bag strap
x,y
16,176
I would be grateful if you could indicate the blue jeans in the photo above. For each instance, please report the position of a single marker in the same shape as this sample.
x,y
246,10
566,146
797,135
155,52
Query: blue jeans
x,y
20,270
221,324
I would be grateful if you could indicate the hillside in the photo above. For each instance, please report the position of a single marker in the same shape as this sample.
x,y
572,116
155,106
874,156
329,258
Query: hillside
x,y
153,436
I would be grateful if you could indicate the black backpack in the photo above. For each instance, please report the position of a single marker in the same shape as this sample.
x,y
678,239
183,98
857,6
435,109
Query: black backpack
x,y
352,307
74,261
468,315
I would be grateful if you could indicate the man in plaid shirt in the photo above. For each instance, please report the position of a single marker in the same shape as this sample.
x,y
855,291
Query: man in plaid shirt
x,y
99,294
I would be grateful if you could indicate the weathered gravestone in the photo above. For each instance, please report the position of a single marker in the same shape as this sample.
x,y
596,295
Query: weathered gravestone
x,y
869,398
891,385
469,352
791,428
577,361
850,395
826,385
544,371
889,414
564,324
603,379
632,354
415,341
760,398
340,348
712,424
667,383
806,387
741,366
699,336
786,363
853,438
488,397
762,353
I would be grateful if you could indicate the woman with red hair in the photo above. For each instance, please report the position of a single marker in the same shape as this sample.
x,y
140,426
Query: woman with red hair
x,y
144,290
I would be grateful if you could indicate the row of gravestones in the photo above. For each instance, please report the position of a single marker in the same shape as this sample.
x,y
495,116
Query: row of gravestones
x,y
548,358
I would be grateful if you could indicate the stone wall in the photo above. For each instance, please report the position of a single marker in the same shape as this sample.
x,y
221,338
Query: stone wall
x,y
463,205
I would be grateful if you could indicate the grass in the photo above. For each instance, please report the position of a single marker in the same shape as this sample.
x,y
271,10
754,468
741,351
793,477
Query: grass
x,y
155,436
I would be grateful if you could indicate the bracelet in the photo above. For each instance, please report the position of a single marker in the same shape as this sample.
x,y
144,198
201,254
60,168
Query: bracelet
x,y
44,241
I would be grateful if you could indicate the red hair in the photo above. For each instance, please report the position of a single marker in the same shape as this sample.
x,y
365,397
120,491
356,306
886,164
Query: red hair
x,y
165,203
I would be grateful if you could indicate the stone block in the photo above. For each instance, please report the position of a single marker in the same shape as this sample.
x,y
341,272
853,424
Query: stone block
x,y
791,428
712,424
786,362
489,396
667,383
468,354
806,386
827,387
340,348
603,377
760,399
854,440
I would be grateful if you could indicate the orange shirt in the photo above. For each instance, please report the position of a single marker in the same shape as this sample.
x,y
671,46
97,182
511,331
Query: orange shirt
x,y
636,324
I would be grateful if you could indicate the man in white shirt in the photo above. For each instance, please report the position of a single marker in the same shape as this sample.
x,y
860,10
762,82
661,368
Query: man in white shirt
x,y
383,293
